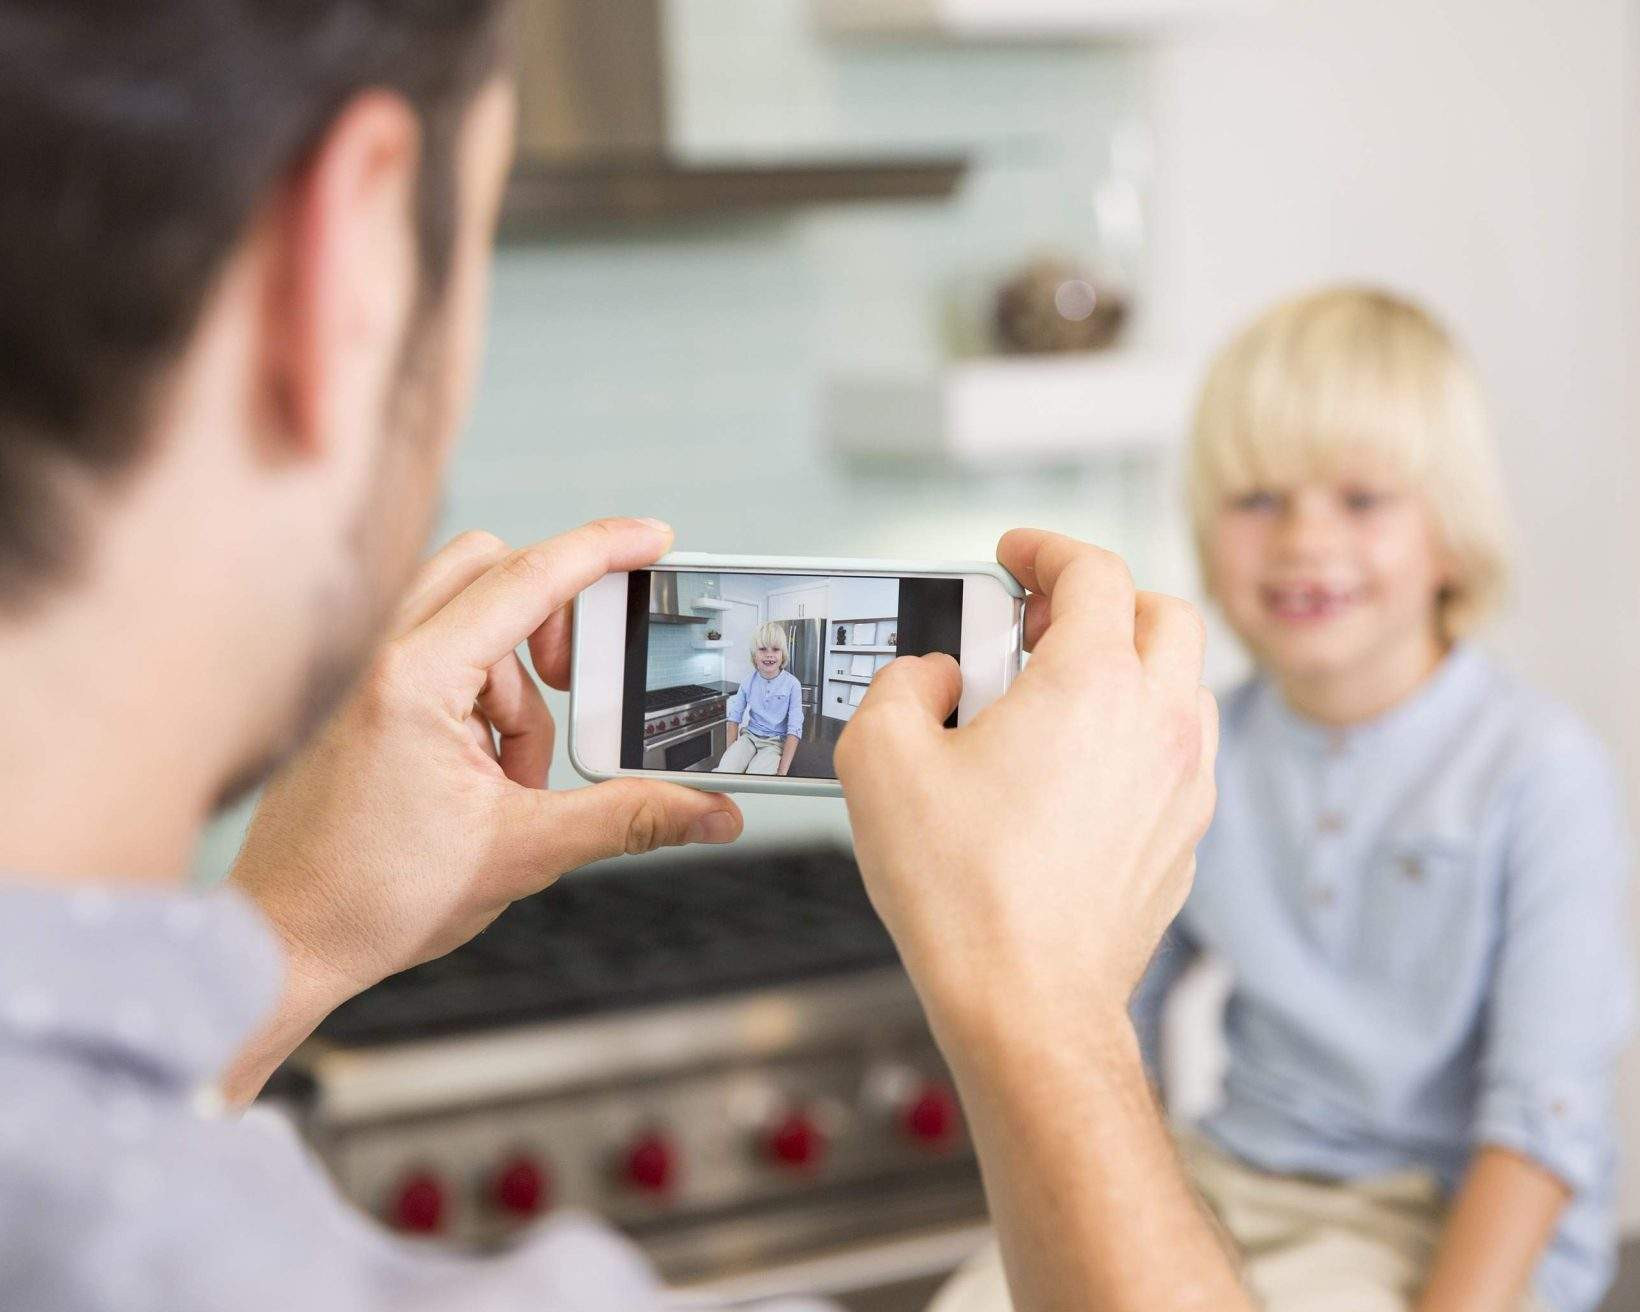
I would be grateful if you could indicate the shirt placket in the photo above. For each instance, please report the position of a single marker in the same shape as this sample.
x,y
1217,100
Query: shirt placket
x,y
1326,890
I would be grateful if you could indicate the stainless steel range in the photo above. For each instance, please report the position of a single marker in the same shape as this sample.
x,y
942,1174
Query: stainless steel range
x,y
722,1056
685,727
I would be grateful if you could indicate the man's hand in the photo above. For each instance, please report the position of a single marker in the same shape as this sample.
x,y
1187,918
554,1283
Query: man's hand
x,y
1042,849
1026,865
421,810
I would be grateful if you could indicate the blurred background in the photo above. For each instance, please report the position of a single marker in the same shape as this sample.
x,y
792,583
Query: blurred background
x,y
885,277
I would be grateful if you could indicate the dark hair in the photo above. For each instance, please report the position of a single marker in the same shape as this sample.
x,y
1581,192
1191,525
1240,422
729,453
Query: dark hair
x,y
137,140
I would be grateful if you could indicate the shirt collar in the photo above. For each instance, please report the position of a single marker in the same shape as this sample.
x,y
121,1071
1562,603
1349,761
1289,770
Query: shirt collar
x,y
1452,685
174,981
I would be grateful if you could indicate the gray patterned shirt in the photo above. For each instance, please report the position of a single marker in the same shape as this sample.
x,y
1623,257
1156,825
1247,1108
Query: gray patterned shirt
x,y
123,1187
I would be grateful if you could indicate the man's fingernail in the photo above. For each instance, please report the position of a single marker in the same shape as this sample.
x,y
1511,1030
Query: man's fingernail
x,y
659,524
719,827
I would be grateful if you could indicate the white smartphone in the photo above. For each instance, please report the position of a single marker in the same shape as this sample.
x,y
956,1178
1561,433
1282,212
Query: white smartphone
x,y
738,673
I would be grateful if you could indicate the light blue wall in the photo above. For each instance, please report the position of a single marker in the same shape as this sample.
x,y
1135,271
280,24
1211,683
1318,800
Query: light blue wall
x,y
677,372
674,658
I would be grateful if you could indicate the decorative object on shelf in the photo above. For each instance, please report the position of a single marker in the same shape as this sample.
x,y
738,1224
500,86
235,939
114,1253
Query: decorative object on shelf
x,y
842,635
893,639
1051,305
712,635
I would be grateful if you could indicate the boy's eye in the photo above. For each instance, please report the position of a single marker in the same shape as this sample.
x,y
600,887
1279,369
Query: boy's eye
x,y
1259,501
1362,500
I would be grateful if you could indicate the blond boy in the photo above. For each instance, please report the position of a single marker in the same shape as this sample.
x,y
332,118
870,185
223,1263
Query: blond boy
x,y
1417,870
766,714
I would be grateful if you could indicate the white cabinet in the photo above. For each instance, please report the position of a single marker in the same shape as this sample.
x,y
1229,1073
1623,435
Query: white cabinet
x,y
799,604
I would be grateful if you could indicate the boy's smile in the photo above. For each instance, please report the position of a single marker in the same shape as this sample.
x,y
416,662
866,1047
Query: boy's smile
x,y
1306,602
768,661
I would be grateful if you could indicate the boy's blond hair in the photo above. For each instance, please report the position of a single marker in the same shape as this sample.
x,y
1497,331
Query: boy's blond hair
x,y
770,634
1348,369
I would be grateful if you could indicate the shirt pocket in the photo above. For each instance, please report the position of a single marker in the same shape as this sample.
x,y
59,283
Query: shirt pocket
x,y
1419,909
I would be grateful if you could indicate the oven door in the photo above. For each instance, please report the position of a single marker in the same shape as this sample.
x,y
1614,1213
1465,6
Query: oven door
x,y
682,750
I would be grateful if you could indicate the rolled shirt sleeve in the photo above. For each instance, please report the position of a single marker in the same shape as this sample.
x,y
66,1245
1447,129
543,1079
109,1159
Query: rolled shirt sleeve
x,y
1562,1001
794,710
740,704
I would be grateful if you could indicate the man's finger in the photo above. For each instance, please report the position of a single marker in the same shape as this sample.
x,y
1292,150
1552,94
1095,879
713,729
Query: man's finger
x,y
517,711
1087,587
514,597
931,685
444,574
550,648
625,816
1171,639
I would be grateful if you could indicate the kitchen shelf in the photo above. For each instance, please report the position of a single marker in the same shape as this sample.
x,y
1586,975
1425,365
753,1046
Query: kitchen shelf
x,y
710,644
877,647
849,678
1014,410
1015,20
710,603
547,197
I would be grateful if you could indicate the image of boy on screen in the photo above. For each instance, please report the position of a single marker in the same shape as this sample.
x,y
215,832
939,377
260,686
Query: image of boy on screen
x,y
766,715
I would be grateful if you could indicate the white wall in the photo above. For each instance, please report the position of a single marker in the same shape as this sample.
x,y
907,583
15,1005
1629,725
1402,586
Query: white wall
x,y
1477,154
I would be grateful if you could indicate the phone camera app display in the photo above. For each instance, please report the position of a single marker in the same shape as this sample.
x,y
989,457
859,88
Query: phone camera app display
x,y
757,674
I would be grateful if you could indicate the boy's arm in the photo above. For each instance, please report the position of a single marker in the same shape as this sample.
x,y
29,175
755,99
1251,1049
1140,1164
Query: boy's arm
x,y
787,751
1504,1214
1556,1020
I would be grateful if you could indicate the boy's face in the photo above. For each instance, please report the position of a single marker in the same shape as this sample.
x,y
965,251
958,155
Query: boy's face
x,y
768,661
1329,577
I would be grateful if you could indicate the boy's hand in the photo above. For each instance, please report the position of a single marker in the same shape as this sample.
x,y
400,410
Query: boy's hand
x,y
407,827
1027,863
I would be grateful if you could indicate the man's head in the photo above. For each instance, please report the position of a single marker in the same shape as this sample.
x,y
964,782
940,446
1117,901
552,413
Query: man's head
x,y
243,254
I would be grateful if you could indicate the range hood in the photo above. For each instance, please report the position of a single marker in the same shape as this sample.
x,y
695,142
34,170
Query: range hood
x,y
593,143
663,600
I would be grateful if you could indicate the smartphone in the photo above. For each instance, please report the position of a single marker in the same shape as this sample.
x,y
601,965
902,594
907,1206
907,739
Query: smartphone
x,y
738,673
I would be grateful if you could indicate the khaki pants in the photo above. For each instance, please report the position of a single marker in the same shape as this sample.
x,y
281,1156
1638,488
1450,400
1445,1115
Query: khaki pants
x,y
751,754
1305,1245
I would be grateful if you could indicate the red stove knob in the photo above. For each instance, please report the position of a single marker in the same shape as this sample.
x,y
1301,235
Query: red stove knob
x,y
796,1141
418,1207
676,722
932,1117
521,1187
651,1164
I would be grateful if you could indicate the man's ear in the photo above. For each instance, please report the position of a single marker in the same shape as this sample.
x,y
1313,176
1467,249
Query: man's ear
x,y
343,274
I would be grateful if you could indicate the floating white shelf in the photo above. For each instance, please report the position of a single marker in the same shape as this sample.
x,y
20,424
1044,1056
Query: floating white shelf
x,y
849,678
709,603
877,648
1016,20
1014,410
711,644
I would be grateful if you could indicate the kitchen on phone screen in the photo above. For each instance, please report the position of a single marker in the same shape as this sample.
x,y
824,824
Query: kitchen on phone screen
x,y
738,673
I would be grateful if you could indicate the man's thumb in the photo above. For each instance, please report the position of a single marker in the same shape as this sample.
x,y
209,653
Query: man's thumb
x,y
628,816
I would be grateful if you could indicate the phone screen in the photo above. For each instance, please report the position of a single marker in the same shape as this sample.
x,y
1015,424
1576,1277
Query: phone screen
x,y
756,674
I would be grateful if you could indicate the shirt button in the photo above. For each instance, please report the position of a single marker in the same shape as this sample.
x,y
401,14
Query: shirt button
x,y
1330,823
1412,867
1323,896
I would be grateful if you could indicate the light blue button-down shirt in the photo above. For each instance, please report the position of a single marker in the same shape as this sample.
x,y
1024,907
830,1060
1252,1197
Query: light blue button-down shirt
x,y
1426,921
770,708
122,1191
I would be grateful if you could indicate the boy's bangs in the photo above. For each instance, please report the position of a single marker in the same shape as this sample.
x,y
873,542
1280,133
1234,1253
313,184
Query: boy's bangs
x,y
1303,410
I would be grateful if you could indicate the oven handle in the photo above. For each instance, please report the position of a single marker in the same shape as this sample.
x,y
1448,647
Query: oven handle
x,y
851,1271
678,735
